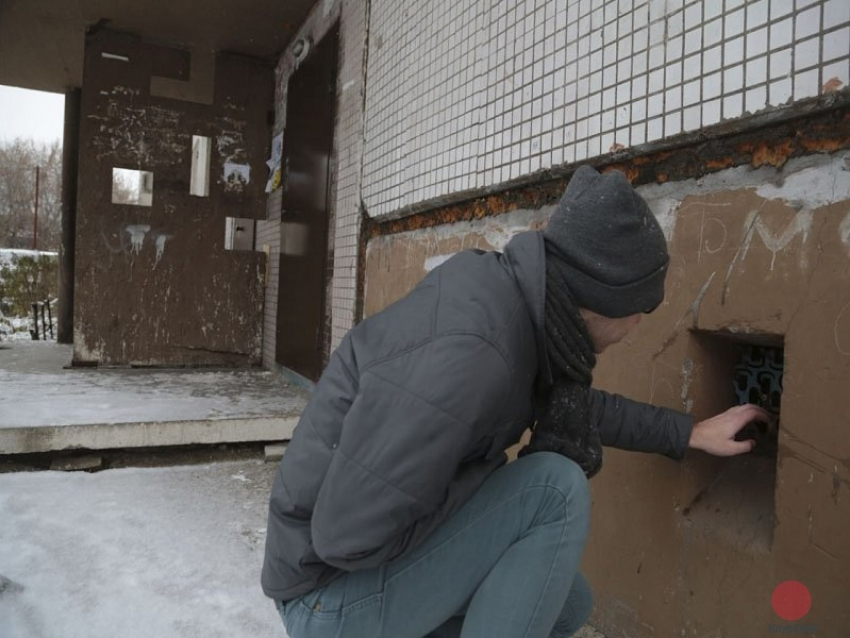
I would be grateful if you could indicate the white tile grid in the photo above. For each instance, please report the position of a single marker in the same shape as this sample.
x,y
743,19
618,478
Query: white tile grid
x,y
388,44
425,111
474,93
348,193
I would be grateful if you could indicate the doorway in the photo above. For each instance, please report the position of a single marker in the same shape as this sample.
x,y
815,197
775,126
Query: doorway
x,y
307,150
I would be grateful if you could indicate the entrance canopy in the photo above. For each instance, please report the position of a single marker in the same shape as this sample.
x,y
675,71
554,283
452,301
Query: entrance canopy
x,y
41,43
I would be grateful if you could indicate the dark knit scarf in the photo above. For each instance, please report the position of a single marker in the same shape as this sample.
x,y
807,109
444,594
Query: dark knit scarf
x,y
563,423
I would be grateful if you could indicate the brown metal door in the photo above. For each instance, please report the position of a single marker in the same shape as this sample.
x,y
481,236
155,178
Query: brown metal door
x,y
307,147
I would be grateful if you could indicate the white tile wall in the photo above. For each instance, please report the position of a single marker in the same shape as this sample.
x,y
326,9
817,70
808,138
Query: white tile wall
x,y
463,94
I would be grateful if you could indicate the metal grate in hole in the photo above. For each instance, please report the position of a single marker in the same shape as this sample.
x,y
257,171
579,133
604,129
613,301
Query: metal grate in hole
x,y
758,380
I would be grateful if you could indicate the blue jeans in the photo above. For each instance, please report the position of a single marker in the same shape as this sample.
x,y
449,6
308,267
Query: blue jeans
x,y
503,566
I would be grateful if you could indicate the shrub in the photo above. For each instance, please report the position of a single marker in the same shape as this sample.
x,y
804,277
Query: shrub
x,y
27,278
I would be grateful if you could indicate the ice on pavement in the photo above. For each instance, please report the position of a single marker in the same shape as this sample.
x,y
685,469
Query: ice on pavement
x,y
136,553
34,384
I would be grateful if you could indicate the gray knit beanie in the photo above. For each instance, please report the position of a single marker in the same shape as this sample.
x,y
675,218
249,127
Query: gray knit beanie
x,y
609,243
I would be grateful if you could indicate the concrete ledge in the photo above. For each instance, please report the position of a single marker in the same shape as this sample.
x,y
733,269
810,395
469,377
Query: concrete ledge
x,y
104,436
274,452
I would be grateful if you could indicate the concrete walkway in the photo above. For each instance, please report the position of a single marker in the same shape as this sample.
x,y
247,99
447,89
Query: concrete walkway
x,y
172,552
138,553
46,406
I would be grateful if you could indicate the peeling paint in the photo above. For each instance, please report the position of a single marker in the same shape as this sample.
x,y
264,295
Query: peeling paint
x,y
817,180
433,262
844,233
832,85
137,234
125,134
124,90
230,146
666,211
829,134
771,139
768,153
159,242
497,232
86,346
811,187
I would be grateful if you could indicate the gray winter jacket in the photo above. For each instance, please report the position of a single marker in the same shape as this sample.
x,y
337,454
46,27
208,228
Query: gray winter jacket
x,y
414,412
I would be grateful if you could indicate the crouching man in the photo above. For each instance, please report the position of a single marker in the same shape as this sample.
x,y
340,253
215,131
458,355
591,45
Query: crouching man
x,y
394,514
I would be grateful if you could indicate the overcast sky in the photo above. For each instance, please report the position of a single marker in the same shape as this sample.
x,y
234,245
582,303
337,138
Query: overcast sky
x,y
31,114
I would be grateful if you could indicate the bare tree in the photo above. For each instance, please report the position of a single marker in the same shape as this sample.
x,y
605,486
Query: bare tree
x,y
18,162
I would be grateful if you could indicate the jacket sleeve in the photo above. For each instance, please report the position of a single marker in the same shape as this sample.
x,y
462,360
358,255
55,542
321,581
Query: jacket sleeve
x,y
640,427
399,458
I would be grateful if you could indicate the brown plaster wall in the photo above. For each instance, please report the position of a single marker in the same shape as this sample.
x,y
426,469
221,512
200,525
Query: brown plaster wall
x,y
394,264
695,548
699,546
177,297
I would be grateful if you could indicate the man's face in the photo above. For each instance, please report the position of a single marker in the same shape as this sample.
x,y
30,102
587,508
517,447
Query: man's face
x,y
606,331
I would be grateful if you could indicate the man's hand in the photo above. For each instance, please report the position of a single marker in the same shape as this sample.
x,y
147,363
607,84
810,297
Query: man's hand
x,y
717,434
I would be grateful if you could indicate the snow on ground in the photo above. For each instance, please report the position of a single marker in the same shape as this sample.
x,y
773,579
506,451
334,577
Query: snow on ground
x,y
104,396
136,553
8,255
16,328
37,392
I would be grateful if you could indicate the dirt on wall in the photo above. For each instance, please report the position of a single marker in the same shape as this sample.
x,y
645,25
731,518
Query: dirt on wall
x,y
154,283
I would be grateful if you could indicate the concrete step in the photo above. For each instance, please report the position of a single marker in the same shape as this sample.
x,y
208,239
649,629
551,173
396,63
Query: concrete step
x,y
105,436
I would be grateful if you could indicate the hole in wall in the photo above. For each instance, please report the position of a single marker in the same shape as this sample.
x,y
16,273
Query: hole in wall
x,y
132,187
239,233
737,498
199,181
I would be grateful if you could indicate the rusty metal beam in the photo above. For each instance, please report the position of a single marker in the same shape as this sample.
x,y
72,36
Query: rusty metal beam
x,y
770,138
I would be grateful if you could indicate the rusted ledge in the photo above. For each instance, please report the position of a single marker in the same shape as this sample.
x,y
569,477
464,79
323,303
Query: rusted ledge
x,y
768,138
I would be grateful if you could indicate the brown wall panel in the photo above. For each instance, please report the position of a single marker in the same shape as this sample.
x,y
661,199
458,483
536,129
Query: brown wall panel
x,y
696,548
155,285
